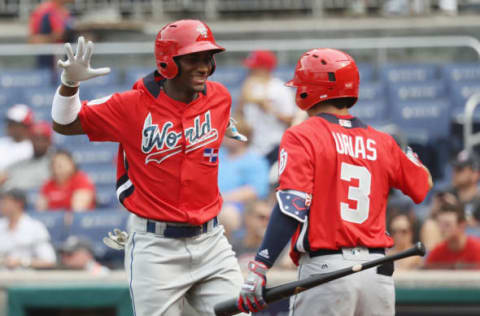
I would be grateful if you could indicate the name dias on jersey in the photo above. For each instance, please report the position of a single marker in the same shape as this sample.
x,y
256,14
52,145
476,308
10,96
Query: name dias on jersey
x,y
356,147
162,143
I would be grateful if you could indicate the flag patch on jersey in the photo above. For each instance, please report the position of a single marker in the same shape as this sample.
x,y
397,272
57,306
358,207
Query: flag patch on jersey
x,y
210,155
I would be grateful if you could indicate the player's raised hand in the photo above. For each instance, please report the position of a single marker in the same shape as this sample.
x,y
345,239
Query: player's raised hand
x,y
77,66
251,296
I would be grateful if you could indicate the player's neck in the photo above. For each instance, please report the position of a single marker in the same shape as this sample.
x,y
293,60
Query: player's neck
x,y
327,108
181,95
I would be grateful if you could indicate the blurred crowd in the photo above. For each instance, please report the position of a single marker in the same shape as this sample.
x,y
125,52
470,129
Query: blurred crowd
x,y
448,223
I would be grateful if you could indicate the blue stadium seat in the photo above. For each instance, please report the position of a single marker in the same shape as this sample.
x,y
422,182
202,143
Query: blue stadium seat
x,y
420,118
284,72
106,196
135,73
372,91
433,89
95,225
370,111
229,76
100,173
26,78
55,223
408,72
367,72
96,92
461,72
93,152
460,92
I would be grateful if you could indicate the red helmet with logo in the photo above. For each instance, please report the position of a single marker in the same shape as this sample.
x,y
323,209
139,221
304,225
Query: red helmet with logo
x,y
179,38
324,74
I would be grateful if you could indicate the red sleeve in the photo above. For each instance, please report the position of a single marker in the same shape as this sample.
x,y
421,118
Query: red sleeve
x,y
109,118
409,176
295,166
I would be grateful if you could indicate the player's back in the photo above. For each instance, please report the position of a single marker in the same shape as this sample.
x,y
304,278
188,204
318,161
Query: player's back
x,y
354,166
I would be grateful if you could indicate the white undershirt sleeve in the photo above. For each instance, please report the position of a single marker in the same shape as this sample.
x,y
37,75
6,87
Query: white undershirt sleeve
x,y
65,109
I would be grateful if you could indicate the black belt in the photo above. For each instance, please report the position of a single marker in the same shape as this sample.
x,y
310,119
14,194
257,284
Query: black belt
x,y
323,252
174,231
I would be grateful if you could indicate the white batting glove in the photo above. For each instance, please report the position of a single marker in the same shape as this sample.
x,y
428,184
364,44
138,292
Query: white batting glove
x,y
77,67
117,240
232,131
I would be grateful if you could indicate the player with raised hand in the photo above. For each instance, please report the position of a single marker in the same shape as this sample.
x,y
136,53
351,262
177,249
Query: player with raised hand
x,y
169,127
335,173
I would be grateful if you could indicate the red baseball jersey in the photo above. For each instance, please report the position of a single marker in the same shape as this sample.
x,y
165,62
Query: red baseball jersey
x,y
168,154
441,257
349,169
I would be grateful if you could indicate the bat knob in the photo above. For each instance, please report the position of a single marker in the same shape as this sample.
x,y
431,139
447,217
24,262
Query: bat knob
x,y
420,249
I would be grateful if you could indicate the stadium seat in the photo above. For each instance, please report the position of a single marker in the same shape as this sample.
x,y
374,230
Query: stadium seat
x,y
370,112
408,72
95,225
94,152
55,223
372,91
26,78
423,118
100,173
367,72
95,92
133,74
284,72
106,196
460,92
432,89
461,72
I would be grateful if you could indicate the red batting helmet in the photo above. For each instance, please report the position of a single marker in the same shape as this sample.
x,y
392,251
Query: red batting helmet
x,y
324,74
179,38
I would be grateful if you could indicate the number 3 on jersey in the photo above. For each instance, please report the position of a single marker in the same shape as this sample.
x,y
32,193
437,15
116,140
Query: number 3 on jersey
x,y
360,194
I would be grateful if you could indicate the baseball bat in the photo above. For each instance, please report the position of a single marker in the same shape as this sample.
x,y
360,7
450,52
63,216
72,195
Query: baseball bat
x,y
279,292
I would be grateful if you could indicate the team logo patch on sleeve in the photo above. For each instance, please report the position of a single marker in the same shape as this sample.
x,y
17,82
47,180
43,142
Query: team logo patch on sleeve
x,y
210,155
294,203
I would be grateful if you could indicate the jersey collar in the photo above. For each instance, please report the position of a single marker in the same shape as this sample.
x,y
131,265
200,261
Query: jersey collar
x,y
347,121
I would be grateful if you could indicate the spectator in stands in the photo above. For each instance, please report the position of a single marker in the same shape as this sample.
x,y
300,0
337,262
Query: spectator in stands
x,y
465,177
68,188
401,228
16,146
243,174
265,104
458,250
430,234
24,241
32,173
77,254
50,22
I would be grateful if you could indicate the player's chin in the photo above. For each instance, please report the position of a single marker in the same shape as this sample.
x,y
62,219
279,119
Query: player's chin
x,y
198,87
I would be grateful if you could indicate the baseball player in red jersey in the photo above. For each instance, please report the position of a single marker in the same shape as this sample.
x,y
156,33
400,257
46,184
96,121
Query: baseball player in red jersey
x,y
169,127
335,173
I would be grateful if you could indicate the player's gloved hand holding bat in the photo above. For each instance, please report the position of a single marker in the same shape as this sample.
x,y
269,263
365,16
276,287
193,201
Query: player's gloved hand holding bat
x,y
251,296
77,66
233,132
116,240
